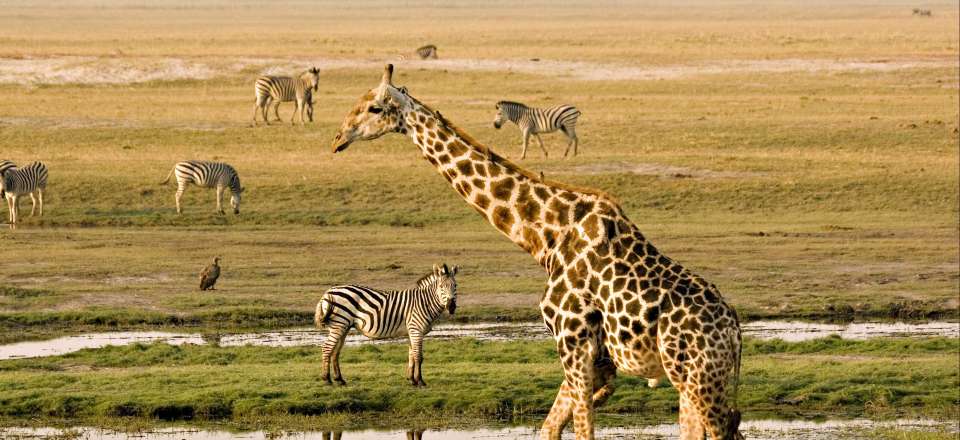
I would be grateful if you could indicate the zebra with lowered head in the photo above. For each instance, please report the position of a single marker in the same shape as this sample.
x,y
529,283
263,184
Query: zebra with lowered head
x,y
16,182
276,89
385,314
208,174
533,121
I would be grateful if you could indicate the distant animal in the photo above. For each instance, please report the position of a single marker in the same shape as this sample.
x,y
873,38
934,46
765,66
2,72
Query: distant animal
x,y
385,314
210,274
427,52
208,174
6,165
16,182
533,121
276,89
309,101
922,12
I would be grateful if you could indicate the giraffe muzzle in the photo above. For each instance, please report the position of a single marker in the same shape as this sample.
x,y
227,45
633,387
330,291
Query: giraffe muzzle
x,y
339,143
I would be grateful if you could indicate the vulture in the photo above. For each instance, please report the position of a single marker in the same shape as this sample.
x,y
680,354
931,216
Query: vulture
x,y
209,275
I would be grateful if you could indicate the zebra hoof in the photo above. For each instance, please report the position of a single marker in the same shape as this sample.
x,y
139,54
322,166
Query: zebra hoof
x,y
340,381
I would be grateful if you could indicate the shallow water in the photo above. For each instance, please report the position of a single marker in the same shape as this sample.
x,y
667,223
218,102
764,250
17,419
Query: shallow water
x,y
792,331
754,430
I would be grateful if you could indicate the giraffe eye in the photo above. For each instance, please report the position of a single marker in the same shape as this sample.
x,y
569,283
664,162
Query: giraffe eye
x,y
374,109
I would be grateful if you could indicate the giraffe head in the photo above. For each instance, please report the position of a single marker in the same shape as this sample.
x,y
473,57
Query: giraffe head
x,y
378,112
446,285
313,78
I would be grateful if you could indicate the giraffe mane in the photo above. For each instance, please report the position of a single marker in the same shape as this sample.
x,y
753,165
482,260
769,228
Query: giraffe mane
x,y
507,163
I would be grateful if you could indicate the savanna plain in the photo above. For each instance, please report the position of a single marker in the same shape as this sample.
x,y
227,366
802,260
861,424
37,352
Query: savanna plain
x,y
802,156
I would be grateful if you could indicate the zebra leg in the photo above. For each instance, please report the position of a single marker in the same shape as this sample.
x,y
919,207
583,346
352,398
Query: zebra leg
x,y
33,206
220,200
335,332
276,111
416,358
526,139
264,110
541,144
40,197
180,189
256,108
337,377
14,210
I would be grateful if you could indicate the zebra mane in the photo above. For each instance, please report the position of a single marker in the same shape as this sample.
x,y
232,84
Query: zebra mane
x,y
423,281
492,156
501,103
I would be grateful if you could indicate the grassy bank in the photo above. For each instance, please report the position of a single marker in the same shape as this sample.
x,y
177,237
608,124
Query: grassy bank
x,y
484,380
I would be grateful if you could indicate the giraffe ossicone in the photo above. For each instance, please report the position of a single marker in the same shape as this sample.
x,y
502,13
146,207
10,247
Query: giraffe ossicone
x,y
613,302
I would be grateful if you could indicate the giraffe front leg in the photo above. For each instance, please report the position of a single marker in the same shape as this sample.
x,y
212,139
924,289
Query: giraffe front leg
x,y
578,355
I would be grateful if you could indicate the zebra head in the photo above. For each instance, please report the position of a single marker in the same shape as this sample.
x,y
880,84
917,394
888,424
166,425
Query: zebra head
x,y
506,111
235,200
377,113
314,78
446,286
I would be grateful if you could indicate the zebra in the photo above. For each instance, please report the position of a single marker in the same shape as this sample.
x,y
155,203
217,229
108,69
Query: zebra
x,y
208,174
427,52
922,12
15,182
533,121
276,89
382,314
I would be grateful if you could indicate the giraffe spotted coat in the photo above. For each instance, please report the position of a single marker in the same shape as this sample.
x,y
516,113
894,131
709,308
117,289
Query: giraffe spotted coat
x,y
613,302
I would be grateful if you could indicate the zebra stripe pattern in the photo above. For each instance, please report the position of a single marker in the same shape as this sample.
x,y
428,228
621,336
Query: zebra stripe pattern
x,y
276,89
207,174
382,314
16,182
6,165
533,121
427,52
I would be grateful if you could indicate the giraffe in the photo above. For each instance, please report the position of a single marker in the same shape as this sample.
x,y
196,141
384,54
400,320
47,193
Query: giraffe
x,y
613,302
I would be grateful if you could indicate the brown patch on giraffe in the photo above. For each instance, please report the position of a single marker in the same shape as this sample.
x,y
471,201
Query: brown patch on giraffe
x,y
465,167
480,168
481,201
457,148
502,219
502,189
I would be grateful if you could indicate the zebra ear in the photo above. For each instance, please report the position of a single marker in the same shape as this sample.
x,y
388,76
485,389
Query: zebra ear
x,y
456,269
436,268
446,270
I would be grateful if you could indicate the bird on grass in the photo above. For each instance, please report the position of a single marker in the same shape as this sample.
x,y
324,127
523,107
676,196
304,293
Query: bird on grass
x,y
209,275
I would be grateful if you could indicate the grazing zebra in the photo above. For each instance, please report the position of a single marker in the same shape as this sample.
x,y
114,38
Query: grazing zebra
x,y
217,175
6,165
922,12
15,182
381,314
277,89
533,121
427,52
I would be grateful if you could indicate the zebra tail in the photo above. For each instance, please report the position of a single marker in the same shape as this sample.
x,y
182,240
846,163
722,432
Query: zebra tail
x,y
322,316
168,175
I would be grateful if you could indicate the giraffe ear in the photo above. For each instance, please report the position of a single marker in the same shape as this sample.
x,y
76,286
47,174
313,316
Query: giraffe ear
x,y
387,75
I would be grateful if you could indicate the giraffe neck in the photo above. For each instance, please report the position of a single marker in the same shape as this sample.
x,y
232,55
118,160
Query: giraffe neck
x,y
518,204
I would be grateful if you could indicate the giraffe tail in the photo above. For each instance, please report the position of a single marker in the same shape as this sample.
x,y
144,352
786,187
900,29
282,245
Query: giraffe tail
x,y
733,421
322,315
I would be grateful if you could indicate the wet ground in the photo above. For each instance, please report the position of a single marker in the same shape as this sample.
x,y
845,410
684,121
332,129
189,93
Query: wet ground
x,y
791,331
128,70
757,430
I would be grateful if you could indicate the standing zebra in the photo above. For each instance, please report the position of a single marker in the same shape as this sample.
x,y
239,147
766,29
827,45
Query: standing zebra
x,y
31,179
207,174
536,120
276,89
427,52
382,314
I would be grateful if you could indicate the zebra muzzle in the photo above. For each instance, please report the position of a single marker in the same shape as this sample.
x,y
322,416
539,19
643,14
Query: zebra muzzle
x,y
452,307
